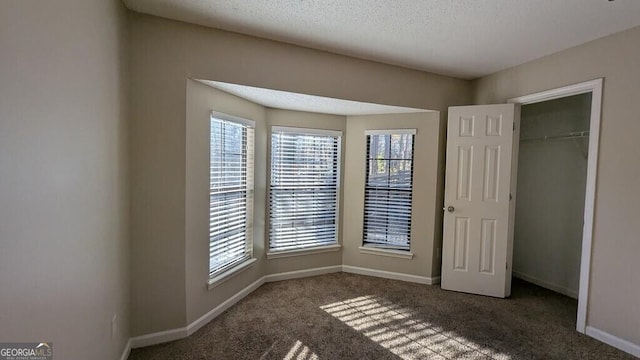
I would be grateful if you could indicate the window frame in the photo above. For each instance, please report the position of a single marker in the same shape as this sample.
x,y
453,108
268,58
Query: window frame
x,y
274,253
381,249
226,271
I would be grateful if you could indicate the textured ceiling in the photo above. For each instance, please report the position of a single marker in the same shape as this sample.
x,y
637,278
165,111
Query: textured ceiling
x,y
293,101
462,38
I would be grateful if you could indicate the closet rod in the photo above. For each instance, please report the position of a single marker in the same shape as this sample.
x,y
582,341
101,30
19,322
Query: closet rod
x,y
571,135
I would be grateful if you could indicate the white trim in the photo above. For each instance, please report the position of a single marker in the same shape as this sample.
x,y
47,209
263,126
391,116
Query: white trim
x,y
545,284
302,273
301,130
569,90
408,255
183,332
301,252
232,118
206,318
322,132
589,204
158,337
616,342
217,280
249,185
595,88
126,351
391,132
390,275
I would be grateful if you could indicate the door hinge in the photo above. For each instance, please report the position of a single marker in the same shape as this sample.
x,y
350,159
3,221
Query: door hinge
x,y
507,265
514,126
510,197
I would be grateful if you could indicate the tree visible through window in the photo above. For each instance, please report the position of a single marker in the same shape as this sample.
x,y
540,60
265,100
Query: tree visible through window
x,y
303,188
389,189
230,192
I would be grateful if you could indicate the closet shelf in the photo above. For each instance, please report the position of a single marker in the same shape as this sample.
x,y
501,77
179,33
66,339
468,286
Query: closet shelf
x,y
571,135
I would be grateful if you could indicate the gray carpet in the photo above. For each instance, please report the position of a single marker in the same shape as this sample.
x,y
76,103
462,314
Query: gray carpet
x,y
346,316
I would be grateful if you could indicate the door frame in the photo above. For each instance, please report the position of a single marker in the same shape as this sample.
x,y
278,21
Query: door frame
x,y
595,88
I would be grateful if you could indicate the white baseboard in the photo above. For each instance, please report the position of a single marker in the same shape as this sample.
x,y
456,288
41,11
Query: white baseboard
x,y
180,333
302,273
126,351
614,341
545,284
206,318
391,275
158,337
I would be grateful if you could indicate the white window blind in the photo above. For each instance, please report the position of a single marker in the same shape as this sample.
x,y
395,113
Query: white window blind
x,y
388,189
230,192
303,188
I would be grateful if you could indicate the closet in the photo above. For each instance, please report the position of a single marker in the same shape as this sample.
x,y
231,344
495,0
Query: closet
x,y
552,169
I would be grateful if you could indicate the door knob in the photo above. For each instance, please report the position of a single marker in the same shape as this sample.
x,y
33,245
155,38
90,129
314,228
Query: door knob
x,y
450,208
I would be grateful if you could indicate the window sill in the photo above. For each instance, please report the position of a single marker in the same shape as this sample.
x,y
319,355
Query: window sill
x,y
218,280
386,252
301,252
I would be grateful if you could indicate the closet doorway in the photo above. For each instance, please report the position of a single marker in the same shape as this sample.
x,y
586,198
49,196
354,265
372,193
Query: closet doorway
x,y
557,160
552,175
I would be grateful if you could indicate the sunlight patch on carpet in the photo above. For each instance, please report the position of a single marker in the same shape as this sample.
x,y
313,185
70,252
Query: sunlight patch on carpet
x,y
398,330
299,351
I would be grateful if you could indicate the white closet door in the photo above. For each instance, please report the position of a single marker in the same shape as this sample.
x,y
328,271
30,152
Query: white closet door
x,y
478,221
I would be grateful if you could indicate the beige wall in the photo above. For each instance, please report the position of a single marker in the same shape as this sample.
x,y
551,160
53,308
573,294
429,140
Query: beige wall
x,y
64,233
64,164
201,100
424,225
164,54
615,270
